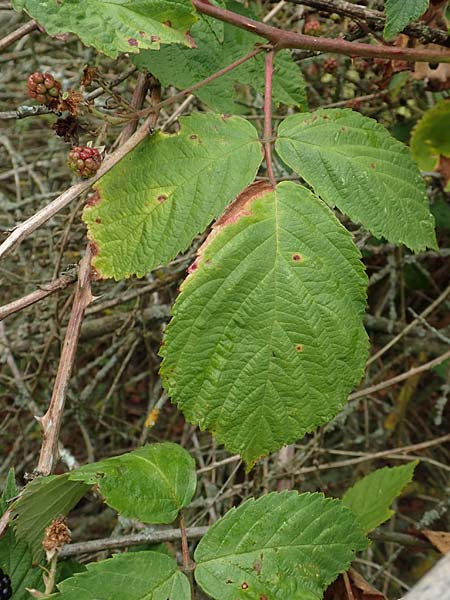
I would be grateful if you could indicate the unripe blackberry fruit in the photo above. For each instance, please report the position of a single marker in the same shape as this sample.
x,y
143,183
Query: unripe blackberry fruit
x,y
330,65
5,586
44,88
84,161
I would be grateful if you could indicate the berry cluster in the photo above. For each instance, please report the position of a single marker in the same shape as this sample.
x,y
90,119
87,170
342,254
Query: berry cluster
x,y
84,161
5,586
44,88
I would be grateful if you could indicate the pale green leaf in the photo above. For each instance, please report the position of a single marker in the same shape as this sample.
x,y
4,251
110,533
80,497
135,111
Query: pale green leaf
x,y
399,13
285,546
266,339
133,576
153,203
352,162
431,136
371,496
43,500
150,484
219,45
115,26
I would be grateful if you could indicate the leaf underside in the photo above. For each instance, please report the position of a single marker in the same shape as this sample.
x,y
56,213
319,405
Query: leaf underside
x,y
133,576
219,45
15,556
281,546
153,203
352,162
399,13
43,500
370,498
118,26
151,484
266,339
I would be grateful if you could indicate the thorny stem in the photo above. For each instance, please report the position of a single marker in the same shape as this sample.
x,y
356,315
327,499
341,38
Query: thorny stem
x,y
196,86
377,19
16,35
288,39
22,231
188,566
184,544
268,117
42,292
51,421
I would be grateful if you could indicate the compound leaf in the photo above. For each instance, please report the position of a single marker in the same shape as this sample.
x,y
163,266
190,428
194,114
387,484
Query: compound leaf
x,y
151,484
283,545
430,137
115,26
134,576
399,13
371,496
266,338
43,500
152,204
352,162
219,45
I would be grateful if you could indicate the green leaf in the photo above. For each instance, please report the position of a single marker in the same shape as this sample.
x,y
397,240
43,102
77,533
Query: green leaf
x,y
266,339
169,189
115,26
219,45
151,484
134,576
281,546
15,556
431,136
352,162
43,500
9,491
371,496
399,13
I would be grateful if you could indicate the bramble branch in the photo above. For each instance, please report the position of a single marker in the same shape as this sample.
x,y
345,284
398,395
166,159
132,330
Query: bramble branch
x,y
377,20
288,39
22,231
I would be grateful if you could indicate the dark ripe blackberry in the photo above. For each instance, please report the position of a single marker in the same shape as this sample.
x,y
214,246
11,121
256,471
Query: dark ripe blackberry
x,y
5,586
84,161
44,88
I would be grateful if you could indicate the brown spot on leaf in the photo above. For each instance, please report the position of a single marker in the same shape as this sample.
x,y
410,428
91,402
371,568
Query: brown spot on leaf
x,y
194,137
241,206
167,23
155,38
192,43
133,41
373,166
263,597
142,33
299,347
244,585
93,199
296,257
98,220
257,566
162,198
94,248
193,267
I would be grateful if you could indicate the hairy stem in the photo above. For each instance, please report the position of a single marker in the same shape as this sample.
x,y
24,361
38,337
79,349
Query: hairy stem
x,y
268,117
